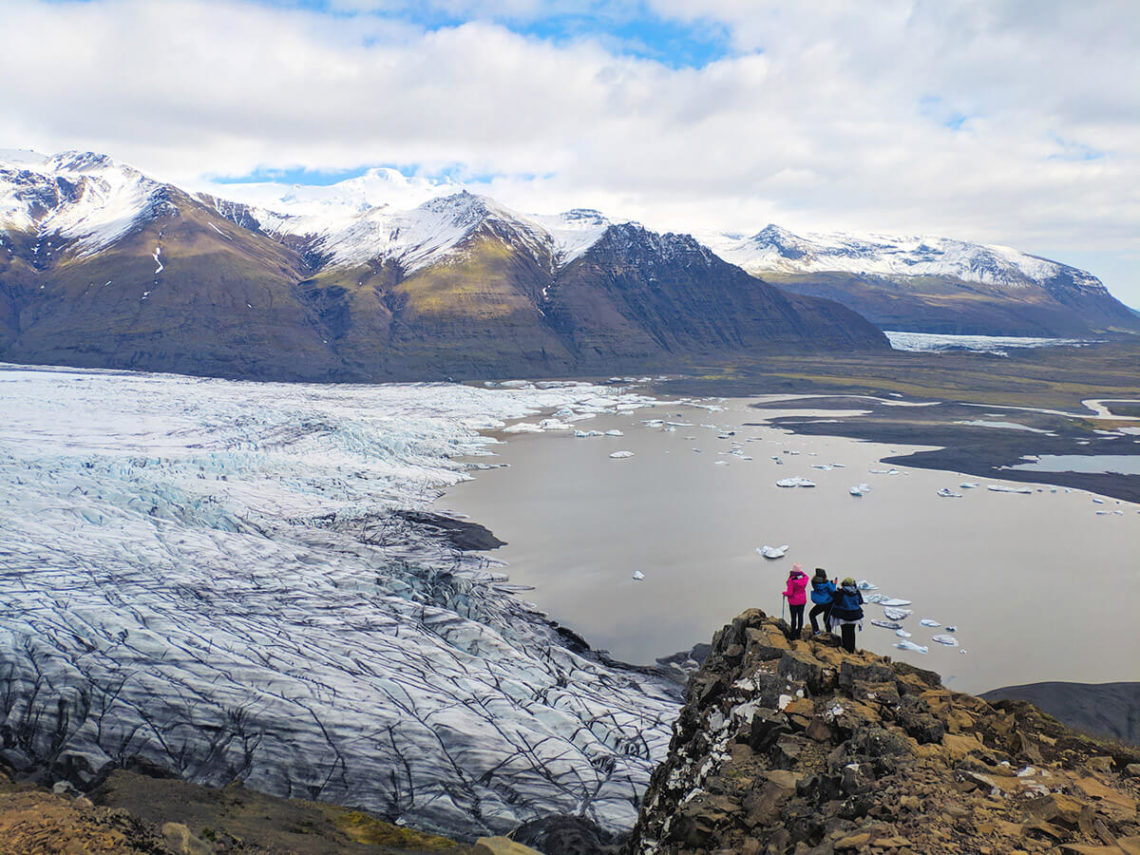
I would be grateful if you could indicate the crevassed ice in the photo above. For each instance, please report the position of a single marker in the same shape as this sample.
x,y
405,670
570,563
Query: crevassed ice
x,y
209,576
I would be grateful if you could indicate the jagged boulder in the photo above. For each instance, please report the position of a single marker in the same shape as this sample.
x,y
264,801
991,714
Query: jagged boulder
x,y
799,747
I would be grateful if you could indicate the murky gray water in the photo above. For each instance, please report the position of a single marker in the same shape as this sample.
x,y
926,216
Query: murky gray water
x,y
1040,586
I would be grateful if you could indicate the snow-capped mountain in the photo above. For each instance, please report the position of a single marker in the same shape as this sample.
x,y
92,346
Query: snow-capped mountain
x,y
777,250
80,196
386,277
932,284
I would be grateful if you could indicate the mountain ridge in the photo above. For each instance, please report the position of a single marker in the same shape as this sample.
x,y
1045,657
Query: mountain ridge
x,y
459,287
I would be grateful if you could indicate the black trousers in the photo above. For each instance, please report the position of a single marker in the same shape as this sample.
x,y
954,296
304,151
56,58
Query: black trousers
x,y
797,618
825,609
848,631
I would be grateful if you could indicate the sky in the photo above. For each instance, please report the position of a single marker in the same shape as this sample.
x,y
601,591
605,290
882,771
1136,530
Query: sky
x,y
999,121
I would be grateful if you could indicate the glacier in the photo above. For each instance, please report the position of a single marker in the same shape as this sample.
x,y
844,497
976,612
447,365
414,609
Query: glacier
x,y
212,578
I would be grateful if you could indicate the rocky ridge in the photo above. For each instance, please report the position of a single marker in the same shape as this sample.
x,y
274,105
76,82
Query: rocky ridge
x,y
799,747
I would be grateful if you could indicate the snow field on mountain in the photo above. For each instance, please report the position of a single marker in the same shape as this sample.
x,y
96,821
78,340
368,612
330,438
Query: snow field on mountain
x,y
207,576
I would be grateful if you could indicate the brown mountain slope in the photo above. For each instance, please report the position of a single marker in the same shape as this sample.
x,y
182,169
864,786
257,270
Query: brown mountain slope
x,y
799,747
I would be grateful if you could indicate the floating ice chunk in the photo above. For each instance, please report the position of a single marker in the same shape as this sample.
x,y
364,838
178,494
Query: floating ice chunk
x,y
822,466
875,598
967,485
1098,501
865,585
1003,488
963,651
897,614
772,551
928,622
583,434
860,489
886,624
621,455
902,633
951,629
911,646
638,575
523,427
948,640
720,463
795,481
896,601
947,493
614,433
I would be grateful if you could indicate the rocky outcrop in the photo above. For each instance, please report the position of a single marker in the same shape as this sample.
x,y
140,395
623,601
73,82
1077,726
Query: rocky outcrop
x,y
797,746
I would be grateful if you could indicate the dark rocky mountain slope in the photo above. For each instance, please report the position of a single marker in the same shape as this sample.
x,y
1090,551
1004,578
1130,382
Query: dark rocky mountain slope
x,y
1110,710
799,747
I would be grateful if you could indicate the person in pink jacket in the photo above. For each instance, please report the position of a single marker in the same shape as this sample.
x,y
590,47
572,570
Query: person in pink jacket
x,y
796,592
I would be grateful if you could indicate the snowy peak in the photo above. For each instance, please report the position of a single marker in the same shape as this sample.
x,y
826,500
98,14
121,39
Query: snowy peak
x,y
636,244
79,196
777,250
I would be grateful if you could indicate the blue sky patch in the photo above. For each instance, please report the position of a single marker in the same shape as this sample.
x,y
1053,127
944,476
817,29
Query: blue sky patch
x,y
631,29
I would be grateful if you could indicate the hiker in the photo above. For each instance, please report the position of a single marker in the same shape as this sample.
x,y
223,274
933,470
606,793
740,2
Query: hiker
x,y
847,611
822,595
797,598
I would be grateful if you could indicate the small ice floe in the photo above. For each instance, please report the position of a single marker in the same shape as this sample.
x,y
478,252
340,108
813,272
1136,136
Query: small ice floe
x,y
951,629
523,427
860,489
948,640
621,455
875,598
928,622
795,482
902,633
1098,501
911,646
772,551
1104,513
638,575
1003,488
963,651
825,467
896,614
721,463
583,434
865,585
967,485
947,493
886,624
896,601
614,433
838,466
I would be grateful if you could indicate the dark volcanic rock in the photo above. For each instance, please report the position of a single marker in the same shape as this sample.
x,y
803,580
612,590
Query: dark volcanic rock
x,y
1104,709
800,747
461,534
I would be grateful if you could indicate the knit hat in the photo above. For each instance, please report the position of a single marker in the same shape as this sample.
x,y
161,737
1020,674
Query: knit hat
x,y
796,568
820,574
849,581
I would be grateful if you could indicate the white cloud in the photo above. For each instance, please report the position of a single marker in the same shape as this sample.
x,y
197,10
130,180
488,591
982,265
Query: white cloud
x,y
1010,122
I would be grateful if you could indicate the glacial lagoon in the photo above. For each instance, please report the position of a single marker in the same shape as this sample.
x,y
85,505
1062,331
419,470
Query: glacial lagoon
x,y
1040,585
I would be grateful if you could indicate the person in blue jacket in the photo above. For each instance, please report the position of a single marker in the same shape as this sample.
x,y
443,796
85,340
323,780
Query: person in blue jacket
x,y
847,611
822,594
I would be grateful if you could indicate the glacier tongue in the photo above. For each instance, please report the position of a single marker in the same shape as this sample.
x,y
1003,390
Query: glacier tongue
x,y
207,576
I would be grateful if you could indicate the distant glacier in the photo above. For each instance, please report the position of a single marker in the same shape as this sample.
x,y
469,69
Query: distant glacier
x,y
208,577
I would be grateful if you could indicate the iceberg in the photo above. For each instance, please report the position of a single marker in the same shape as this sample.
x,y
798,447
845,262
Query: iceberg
x,y
947,493
638,575
864,585
795,482
1003,488
772,551
886,624
896,602
902,633
621,455
911,646
948,640
928,622
860,490
896,614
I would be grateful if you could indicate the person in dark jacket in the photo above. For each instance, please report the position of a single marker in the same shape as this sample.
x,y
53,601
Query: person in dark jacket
x,y
822,595
847,611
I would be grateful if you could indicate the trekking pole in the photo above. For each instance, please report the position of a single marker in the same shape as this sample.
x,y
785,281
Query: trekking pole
x,y
783,602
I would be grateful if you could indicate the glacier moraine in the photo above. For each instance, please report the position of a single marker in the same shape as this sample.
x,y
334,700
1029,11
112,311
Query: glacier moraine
x,y
210,577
